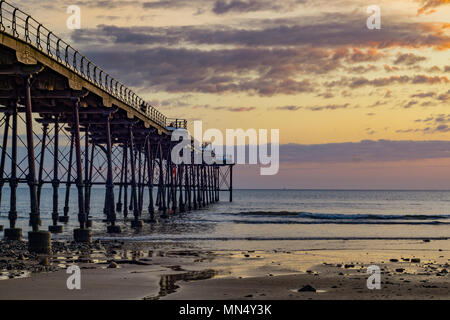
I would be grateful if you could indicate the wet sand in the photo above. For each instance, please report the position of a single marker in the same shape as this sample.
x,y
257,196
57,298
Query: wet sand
x,y
185,271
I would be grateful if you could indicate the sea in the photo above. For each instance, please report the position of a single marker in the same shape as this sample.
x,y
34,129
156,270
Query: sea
x,y
269,216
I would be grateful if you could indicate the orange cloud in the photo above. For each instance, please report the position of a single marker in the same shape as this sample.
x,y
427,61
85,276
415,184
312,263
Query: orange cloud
x,y
428,6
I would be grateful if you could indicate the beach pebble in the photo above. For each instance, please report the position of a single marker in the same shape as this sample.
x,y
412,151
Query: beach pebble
x,y
113,265
307,288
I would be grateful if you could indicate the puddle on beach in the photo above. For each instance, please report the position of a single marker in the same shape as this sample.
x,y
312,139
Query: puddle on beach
x,y
168,282
317,291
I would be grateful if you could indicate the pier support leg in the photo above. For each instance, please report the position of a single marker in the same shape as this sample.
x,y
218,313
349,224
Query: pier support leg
x,y
65,218
150,167
136,223
87,201
188,187
203,182
38,241
82,234
119,200
173,182
3,156
217,177
55,228
161,187
180,173
139,188
89,188
193,187
13,233
41,163
231,184
110,210
168,181
125,186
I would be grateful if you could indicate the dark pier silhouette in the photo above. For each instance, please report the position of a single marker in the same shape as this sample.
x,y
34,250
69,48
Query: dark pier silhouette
x,y
83,129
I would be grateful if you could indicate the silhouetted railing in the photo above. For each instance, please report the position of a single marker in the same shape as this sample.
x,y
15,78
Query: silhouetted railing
x,y
22,26
177,123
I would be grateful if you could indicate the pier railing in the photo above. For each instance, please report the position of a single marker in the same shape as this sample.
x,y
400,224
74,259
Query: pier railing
x,y
176,123
20,25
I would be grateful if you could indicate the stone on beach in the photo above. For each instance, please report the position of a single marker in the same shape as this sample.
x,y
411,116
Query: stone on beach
x,y
307,288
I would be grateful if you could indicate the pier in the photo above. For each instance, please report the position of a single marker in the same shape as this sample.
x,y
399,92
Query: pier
x,y
84,128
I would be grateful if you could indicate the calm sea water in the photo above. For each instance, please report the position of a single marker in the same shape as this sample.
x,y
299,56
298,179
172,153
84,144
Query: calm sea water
x,y
275,215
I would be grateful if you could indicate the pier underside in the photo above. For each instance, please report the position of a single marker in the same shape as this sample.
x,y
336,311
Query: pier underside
x,y
66,123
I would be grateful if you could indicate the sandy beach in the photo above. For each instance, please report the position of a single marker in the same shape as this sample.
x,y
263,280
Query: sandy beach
x,y
414,269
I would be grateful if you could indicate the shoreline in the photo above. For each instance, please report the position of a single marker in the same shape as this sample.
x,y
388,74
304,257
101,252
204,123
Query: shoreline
x,y
137,270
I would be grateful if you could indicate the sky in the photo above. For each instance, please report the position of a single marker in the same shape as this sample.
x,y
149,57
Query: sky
x,y
356,108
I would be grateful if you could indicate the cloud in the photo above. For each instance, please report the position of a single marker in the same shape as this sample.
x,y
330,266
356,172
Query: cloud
x,y
264,57
366,150
274,71
444,97
408,59
389,68
357,152
235,109
289,108
434,123
107,4
358,82
298,31
240,6
329,107
260,72
325,95
230,109
428,6
410,104
168,4
423,95
241,109
315,108
418,79
378,103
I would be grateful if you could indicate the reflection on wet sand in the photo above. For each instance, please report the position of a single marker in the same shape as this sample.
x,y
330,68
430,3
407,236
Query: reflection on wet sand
x,y
168,281
176,270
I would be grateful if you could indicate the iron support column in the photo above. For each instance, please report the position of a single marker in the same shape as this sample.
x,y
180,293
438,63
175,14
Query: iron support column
x,y
34,214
